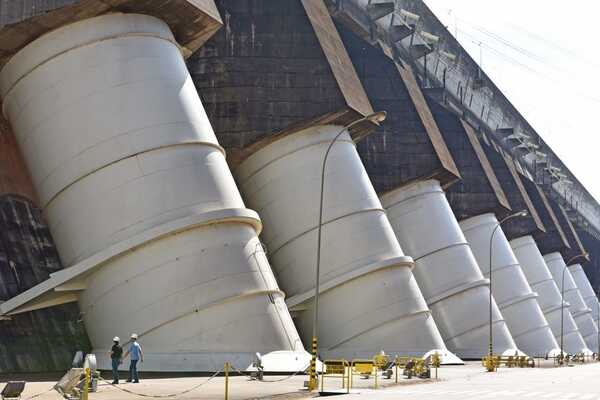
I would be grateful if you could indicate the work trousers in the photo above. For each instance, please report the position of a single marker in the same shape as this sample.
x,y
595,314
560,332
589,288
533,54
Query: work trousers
x,y
133,373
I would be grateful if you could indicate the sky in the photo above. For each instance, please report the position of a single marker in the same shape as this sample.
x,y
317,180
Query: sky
x,y
544,56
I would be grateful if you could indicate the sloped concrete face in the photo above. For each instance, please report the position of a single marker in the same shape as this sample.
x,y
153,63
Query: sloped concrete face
x,y
586,290
541,281
446,269
517,302
581,313
119,147
369,297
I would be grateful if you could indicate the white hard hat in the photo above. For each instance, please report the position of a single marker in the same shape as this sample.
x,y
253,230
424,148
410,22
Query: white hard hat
x,y
116,339
134,336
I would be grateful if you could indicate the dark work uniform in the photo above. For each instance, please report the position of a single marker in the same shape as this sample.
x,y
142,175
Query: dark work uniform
x,y
115,354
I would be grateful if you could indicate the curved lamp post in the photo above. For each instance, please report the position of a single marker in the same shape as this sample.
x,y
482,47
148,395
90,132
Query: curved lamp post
x,y
522,213
562,305
598,325
375,118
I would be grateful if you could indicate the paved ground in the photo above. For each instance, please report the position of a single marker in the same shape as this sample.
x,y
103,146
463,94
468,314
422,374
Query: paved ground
x,y
581,382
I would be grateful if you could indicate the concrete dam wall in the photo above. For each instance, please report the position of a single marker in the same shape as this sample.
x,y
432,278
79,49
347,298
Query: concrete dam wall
x,y
161,169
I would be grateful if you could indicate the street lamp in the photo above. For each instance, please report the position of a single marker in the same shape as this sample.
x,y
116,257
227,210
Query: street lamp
x,y
598,325
375,118
562,305
522,213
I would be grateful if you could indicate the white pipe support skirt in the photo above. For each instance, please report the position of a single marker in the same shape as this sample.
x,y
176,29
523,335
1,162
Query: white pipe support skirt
x,y
119,145
549,298
581,313
369,300
517,302
446,269
586,289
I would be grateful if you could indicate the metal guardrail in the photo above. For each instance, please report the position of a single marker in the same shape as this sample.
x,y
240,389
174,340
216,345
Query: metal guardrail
x,y
339,369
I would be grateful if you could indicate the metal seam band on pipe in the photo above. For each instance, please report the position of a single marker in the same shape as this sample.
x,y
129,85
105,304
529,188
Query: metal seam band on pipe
x,y
214,304
362,211
501,267
537,328
440,250
120,36
456,290
573,289
396,262
484,325
183,143
556,307
517,300
379,326
579,313
296,150
416,196
86,175
542,281
240,215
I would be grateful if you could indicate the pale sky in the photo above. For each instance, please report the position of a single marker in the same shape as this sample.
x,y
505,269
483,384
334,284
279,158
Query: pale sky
x,y
543,54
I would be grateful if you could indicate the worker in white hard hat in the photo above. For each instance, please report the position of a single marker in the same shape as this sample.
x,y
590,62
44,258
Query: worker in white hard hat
x,y
116,354
136,354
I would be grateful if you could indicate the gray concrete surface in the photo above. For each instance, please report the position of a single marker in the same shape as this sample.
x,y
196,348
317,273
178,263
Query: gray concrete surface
x,y
579,382
471,382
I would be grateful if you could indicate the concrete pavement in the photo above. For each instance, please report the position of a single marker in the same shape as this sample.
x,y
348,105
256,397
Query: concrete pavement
x,y
580,382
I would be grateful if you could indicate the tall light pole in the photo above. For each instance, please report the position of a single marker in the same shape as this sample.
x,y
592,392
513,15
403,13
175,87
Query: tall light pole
x,y
598,325
562,305
375,118
522,213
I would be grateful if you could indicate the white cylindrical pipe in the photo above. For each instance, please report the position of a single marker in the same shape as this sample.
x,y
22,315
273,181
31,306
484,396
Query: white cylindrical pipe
x,y
581,313
586,289
517,302
446,270
369,298
540,279
120,148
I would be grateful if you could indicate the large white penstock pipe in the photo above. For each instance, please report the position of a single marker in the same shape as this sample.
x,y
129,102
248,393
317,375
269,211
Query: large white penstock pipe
x,y
517,302
581,313
369,300
540,279
586,289
123,157
446,270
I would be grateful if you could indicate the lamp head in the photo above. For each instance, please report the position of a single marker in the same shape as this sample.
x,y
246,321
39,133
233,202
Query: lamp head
x,y
377,117
522,213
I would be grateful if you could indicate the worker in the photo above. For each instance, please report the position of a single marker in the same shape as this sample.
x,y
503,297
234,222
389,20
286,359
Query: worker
x,y
136,354
116,354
